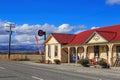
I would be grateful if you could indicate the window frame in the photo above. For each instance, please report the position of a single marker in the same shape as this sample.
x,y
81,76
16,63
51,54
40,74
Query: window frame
x,y
49,51
56,52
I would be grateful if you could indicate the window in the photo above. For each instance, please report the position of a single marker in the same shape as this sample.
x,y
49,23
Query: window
x,y
49,51
56,51
118,51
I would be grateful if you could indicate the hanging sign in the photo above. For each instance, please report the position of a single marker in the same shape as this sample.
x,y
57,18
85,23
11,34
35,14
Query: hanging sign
x,y
41,32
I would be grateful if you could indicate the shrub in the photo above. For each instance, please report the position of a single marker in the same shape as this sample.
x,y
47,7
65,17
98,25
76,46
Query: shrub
x,y
103,63
57,61
84,62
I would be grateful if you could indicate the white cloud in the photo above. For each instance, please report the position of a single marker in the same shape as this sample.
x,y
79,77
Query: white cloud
x,y
25,29
25,34
113,1
94,27
33,29
64,28
26,39
2,28
48,28
4,38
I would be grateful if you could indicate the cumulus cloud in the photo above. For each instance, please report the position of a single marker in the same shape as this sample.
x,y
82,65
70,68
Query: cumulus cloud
x,y
33,29
25,34
64,28
25,29
113,1
2,28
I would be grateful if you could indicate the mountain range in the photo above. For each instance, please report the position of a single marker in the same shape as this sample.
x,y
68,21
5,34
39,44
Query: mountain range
x,y
15,48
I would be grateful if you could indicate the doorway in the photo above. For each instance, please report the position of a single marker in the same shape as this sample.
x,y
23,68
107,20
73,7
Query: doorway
x,y
96,52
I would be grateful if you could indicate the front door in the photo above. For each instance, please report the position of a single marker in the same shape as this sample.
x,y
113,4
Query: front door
x,y
118,52
96,52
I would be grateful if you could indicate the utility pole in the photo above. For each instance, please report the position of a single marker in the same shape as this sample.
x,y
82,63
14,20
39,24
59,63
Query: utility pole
x,y
10,25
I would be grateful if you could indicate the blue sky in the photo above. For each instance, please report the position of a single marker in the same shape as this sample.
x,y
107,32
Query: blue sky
x,y
57,12
63,16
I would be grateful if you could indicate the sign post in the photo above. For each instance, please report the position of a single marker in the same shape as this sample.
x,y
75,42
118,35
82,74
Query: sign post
x,y
41,33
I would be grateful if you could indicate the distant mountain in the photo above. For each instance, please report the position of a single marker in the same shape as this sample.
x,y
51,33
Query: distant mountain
x,y
14,48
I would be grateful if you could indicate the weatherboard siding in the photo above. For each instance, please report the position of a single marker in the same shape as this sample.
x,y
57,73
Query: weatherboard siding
x,y
52,42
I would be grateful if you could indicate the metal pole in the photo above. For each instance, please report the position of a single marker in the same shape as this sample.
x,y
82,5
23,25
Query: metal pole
x,y
43,58
44,40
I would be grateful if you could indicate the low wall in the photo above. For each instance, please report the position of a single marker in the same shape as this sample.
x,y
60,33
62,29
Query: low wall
x,y
22,56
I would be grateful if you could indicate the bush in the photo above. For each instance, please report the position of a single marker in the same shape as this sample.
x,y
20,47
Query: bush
x,y
57,61
103,63
84,62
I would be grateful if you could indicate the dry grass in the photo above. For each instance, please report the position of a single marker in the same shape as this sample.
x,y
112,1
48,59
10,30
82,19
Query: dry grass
x,y
21,57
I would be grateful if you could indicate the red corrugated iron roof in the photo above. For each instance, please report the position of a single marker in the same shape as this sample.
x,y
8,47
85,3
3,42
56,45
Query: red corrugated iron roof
x,y
81,37
63,38
115,36
110,33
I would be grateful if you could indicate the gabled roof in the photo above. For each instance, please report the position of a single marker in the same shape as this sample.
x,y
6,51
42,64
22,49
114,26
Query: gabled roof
x,y
92,35
63,38
81,37
110,33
